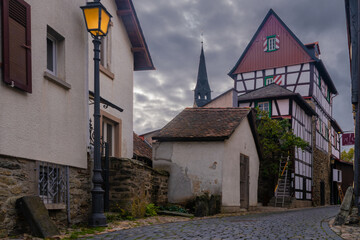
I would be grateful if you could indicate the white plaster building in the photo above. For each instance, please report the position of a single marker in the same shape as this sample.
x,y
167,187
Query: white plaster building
x,y
46,75
210,150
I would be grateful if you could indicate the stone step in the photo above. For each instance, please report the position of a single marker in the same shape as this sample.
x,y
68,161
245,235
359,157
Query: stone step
x,y
37,216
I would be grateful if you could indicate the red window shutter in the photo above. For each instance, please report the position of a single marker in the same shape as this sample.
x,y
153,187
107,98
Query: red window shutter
x,y
17,44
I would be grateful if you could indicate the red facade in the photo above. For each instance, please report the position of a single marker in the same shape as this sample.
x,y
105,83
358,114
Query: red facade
x,y
290,51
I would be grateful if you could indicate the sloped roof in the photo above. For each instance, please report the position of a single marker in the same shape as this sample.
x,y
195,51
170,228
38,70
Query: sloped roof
x,y
268,91
207,124
141,148
335,125
274,91
303,54
142,58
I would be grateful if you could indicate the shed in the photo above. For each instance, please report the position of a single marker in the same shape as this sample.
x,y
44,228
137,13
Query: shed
x,y
211,150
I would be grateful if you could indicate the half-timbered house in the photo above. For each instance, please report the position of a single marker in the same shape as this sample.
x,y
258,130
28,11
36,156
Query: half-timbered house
x,y
277,72
285,104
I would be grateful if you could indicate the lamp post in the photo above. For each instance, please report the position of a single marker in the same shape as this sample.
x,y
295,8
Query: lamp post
x,y
97,20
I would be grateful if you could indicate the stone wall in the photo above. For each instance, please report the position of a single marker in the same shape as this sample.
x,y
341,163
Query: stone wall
x,y
132,180
19,177
321,168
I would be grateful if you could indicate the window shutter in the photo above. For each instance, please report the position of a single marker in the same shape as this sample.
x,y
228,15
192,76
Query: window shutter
x,y
17,44
277,44
265,45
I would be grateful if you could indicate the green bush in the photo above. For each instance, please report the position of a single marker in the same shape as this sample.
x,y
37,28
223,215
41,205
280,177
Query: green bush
x,y
173,208
151,210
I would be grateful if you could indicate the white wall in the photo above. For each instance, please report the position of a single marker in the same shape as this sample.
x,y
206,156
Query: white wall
x,y
49,124
241,141
226,100
119,90
195,167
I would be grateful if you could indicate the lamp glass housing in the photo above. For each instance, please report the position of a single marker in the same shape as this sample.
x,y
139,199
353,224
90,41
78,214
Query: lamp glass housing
x,y
97,19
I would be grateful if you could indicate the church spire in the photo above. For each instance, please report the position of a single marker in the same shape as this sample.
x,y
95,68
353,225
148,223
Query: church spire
x,y
202,93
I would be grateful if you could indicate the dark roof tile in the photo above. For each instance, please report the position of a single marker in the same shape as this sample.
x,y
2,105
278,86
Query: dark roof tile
x,y
203,124
141,148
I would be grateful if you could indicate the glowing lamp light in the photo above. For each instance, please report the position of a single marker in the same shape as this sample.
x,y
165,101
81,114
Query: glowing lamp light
x,y
97,18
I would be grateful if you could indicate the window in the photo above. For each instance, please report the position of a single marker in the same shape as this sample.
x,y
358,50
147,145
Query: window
x,y
55,58
16,44
51,54
111,133
271,44
105,54
52,183
108,130
264,106
55,53
268,80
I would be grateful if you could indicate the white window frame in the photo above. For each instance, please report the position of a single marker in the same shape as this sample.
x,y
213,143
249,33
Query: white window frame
x,y
54,53
271,44
262,104
105,54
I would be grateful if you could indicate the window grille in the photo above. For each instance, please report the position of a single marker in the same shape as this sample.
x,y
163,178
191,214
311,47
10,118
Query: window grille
x,y
52,184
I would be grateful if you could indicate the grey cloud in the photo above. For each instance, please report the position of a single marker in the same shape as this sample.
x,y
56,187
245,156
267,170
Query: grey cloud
x,y
172,30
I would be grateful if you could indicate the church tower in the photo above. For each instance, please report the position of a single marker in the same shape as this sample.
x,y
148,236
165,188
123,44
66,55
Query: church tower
x,y
202,92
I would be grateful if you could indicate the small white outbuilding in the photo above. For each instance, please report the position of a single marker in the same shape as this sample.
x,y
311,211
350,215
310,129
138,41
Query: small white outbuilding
x,y
211,150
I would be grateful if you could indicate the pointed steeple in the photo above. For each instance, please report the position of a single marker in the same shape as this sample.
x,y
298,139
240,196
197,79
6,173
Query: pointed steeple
x,y
202,93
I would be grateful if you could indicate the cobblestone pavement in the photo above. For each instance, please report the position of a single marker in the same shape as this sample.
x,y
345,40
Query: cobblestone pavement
x,y
310,223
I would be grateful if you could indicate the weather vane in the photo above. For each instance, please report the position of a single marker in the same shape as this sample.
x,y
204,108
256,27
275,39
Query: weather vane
x,y
202,38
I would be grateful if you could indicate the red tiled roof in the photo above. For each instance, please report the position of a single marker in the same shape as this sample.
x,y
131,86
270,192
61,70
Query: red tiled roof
x,y
141,148
203,124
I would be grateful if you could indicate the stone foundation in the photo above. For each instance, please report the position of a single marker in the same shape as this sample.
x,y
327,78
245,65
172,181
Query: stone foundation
x,y
19,177
131,180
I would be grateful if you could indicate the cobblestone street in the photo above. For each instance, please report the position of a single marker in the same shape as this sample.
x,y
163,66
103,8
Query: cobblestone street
x,y
309,223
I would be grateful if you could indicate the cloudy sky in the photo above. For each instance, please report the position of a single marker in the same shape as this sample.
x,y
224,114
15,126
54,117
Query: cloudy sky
x,y
173,28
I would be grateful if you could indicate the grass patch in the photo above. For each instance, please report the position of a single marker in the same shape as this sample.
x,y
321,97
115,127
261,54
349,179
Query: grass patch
x,y
85,231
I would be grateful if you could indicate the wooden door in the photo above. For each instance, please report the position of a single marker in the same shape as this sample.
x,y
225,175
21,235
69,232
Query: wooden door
x,y
244,181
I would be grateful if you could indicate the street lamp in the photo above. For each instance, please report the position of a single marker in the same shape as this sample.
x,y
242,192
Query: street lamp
x,y
97,20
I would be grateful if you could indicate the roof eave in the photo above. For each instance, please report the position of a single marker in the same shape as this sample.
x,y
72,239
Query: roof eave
x,y
335,125
297,97
252,122
190,139
321,67
127,13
